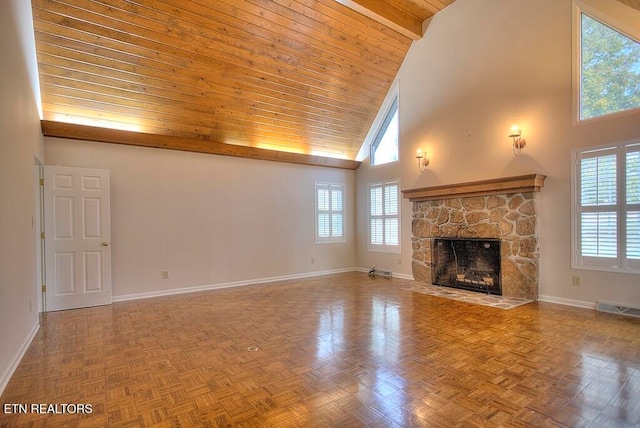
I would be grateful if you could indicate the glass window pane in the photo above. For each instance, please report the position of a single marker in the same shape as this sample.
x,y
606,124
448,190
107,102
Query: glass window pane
x,y
387,149
598,234
376,201
633,177
384,148
391,231
598,181
610,70
376,231
323,225
633,235
391,200
323,199
336,200
336,225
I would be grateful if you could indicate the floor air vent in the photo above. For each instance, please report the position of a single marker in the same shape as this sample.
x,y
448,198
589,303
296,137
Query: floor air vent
x,y
618,309
380,273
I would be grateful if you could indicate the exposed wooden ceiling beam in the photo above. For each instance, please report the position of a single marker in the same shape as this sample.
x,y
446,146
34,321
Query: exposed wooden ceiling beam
x,y
388,16
105,135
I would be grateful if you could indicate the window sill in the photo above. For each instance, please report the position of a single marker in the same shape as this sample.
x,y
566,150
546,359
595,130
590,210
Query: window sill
x,y
382,165
385,250
627,271
341,241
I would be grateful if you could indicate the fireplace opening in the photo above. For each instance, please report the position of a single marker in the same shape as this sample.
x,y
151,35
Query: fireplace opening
x,y
471,264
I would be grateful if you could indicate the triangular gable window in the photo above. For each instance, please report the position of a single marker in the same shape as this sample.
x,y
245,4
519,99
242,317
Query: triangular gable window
x,y
609,70
384,148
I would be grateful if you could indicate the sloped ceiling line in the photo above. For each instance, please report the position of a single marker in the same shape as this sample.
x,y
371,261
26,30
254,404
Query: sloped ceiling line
x,y
287,80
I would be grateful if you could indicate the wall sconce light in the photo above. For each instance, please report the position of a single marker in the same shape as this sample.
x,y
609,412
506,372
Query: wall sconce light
x,y
518,141
422,160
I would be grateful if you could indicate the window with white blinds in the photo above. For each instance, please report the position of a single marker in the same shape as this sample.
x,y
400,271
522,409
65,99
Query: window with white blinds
x,y
384,216
607,208
329,212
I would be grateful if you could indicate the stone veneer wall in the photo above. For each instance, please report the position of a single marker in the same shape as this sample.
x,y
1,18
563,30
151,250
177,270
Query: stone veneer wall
x,y
512,218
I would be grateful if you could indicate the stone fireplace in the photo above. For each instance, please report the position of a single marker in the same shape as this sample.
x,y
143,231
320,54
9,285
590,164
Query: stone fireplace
x,y
503,209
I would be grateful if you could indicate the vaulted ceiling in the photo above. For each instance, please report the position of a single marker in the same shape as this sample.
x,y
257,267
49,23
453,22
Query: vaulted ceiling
x,y
288,80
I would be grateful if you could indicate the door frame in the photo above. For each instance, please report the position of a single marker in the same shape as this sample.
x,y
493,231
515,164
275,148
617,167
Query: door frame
x,y
37,221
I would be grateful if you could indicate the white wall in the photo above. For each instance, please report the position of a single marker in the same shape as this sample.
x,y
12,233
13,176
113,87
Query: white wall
x,y
208,219
482,65
20,145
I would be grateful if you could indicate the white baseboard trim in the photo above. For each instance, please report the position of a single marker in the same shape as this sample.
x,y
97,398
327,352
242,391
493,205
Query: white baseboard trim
x,y
126,297
567,302
402,276
6,377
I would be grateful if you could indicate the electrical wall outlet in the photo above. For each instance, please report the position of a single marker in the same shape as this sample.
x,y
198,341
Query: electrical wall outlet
x,y
313,260
575,281
399,262
165,274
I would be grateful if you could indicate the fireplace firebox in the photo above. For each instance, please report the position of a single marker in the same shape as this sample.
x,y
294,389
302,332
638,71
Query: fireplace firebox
x,y
471,264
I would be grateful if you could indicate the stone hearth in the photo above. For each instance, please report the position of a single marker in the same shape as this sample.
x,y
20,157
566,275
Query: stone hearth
x,y
510,217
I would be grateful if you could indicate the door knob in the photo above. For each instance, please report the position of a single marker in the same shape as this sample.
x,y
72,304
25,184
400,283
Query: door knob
x,y
105,244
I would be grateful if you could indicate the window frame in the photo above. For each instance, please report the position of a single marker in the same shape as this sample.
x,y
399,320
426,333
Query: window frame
x,y
331,212
615,15
620,263
384,247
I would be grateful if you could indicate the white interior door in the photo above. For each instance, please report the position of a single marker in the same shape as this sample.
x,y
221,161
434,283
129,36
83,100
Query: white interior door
x,y
77,237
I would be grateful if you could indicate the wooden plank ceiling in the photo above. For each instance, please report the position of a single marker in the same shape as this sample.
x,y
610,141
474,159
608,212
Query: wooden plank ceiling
x,y
287,80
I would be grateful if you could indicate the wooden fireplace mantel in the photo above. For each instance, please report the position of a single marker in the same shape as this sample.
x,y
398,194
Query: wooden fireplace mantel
x,y
520,183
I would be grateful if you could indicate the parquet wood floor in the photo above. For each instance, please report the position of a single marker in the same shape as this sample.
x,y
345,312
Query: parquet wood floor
x,y
339,350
